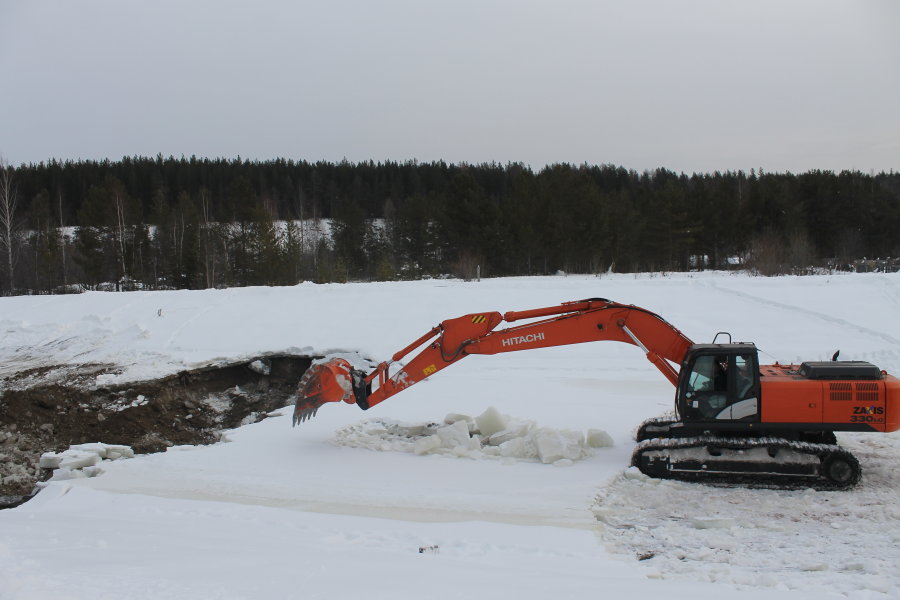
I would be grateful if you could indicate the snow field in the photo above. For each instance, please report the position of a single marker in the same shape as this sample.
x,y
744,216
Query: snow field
x,y
146,548
200,327
281,512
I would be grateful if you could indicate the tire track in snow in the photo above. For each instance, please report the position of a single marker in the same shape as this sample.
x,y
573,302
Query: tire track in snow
x,y
180,328
129,302
807,312
892,293
576,519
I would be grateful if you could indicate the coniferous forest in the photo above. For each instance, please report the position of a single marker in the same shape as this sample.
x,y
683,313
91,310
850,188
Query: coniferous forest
x,y
153,223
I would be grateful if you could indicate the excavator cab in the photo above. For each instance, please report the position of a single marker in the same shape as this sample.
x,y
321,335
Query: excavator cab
x,y
719,383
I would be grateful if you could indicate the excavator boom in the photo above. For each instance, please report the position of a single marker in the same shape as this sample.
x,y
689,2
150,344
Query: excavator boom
x,y
591,320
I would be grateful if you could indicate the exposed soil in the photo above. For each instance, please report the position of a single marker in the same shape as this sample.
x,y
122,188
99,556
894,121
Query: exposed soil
x,y
191,407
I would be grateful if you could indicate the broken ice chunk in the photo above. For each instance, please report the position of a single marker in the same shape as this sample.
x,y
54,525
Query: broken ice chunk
x,y
514,429
104,451
452,418
553,445
427,444
63,473
261,367
514,448
597,438
50,460
79,460
491,421
455,435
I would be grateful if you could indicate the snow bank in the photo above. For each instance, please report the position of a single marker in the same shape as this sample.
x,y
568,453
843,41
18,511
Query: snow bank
x,y
82,460
489,435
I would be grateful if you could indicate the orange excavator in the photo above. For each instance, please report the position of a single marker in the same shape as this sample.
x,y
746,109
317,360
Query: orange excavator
x,y
734,420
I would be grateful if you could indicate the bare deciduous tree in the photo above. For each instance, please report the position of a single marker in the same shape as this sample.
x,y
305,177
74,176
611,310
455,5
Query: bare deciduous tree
x,y
206,241
767,253
801,254
120,233
9,229
62,243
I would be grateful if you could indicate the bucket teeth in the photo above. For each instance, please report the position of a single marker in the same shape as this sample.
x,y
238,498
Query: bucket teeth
x,y
305,414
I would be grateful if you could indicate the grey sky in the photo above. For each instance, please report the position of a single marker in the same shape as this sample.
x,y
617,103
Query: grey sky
x,y
786,85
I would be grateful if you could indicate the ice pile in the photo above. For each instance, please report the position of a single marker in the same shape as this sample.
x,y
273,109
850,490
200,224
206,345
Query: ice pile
x,y
490,434
82,460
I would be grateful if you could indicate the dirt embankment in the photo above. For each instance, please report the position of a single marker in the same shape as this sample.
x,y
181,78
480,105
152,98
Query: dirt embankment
x,y
191,407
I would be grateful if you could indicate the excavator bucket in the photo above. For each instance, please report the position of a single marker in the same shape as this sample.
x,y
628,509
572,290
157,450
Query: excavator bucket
x,y
329,381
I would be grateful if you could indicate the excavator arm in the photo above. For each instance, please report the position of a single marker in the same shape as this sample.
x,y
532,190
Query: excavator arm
x,y
591,320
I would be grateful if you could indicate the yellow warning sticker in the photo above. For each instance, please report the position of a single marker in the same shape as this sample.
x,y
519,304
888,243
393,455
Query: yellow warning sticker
x,y
429,370
479,318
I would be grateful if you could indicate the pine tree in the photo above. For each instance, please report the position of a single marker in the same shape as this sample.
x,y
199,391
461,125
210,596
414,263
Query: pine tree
x,y
163,241
104,235
349,229
43,244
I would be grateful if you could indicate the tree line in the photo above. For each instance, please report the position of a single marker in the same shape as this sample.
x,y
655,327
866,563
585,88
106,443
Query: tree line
x,y
195,223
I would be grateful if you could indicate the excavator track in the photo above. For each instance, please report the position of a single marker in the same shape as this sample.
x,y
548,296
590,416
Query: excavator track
x,y
767,461
655,427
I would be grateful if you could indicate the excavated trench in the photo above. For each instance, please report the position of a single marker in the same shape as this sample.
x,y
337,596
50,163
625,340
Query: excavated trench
x,y
190,407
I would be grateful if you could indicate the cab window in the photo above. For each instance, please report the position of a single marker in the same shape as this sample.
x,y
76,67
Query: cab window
x,y
710,374
722,387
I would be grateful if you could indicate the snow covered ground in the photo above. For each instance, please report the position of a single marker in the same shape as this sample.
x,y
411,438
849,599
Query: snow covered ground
x,y
342,507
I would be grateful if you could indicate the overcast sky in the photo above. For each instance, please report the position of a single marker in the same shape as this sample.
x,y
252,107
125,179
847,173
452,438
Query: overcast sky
x,y
693,86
